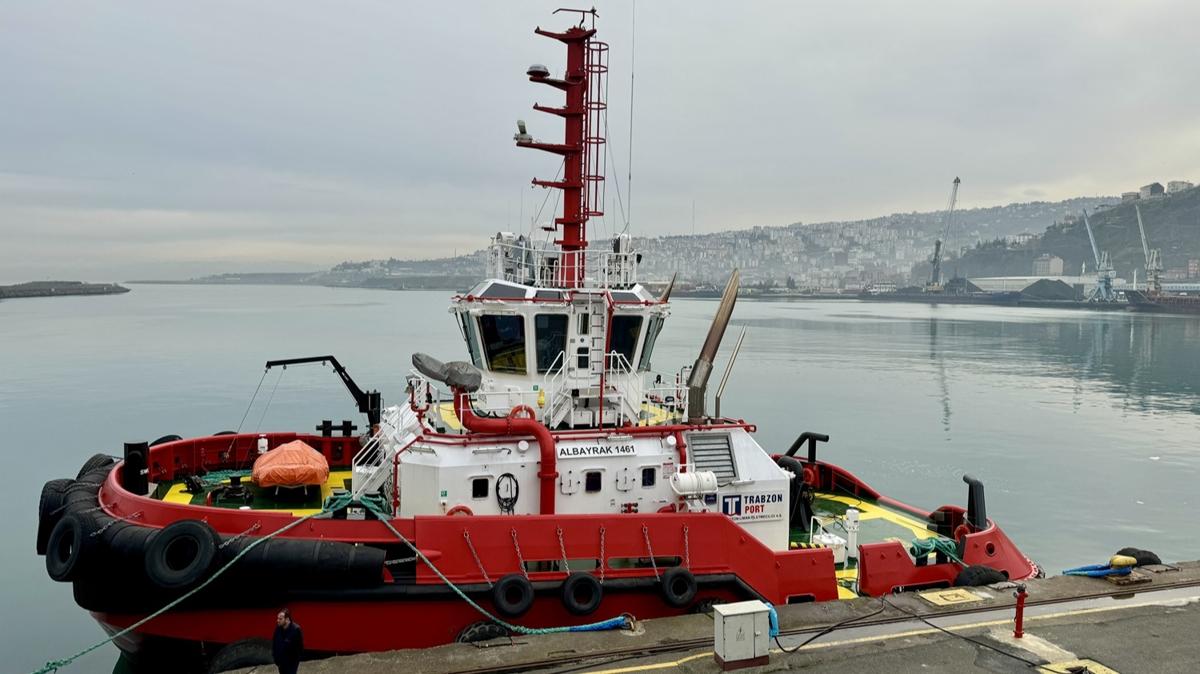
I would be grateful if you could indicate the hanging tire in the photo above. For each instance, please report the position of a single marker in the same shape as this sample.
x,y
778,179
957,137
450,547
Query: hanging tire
x,y
97,461
481,631
167,438
678,586
977,575
241,654
513,595
50,510
181,554
69,545
581,593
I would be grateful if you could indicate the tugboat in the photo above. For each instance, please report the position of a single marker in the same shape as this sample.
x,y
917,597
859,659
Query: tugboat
x,y
551,480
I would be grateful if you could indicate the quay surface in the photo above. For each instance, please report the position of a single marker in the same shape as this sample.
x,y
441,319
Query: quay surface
x,y
1069,622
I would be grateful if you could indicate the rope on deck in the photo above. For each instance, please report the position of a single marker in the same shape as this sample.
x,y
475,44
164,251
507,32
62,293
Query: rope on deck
x,y
921,547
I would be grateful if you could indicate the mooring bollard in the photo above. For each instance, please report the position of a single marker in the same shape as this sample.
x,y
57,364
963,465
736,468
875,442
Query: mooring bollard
x,y
1020,594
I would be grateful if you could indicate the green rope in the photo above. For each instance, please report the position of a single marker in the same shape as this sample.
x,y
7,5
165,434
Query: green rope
x,y
520,629
922,547
375,504
334,503
219,476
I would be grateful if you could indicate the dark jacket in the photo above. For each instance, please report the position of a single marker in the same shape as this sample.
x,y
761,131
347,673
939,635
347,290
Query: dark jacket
x,y
287,646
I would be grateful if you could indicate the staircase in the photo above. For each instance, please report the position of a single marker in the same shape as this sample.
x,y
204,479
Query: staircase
x,y
371,468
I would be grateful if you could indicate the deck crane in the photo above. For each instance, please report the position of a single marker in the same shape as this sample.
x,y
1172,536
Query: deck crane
x,y
935,277
1103,291
1153,259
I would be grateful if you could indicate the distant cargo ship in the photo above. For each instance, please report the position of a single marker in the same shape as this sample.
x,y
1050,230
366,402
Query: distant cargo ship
x,y
1163,302
956,291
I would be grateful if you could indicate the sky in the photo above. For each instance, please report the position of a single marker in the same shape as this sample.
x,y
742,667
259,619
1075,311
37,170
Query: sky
x,y
168,139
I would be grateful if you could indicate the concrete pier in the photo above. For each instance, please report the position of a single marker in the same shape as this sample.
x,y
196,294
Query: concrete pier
x,y
1070,622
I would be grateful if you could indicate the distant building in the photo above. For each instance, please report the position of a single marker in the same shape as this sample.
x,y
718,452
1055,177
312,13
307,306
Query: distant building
x,y
1152,190
1193,267
1178,186
1047,265
1022,238
1130,196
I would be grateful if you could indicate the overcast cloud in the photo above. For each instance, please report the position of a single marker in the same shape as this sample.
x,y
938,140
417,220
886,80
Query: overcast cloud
x,y
167,139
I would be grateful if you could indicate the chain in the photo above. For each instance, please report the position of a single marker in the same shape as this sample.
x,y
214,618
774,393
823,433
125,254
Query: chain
x,y
602,564
115,520
687,551
254,527
562,547
520,559
653,564
478,562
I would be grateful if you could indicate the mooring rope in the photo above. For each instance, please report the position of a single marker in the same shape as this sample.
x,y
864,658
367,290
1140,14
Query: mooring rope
x,y
377,506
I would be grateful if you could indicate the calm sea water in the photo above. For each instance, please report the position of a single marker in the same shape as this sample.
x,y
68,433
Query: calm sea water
x,y
1084,426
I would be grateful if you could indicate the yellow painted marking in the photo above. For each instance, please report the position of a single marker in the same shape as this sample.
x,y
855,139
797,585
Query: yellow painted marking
x,y
337,479
870,511
655,416
1093,667
448,416
949,597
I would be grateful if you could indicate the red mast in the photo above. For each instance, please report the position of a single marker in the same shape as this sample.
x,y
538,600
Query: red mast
x,y
582,152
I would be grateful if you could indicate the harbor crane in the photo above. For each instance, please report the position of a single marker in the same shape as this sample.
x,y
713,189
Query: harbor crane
x,y
935,276
1103,290
1153,259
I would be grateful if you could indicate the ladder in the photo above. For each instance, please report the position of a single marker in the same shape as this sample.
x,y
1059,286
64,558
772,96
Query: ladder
x,y
371,468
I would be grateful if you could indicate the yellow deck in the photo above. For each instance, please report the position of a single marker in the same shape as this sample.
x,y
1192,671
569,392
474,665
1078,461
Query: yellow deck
x,y
337,478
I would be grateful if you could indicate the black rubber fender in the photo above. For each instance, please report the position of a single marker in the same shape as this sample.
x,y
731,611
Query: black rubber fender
x,y
181,554
1143,557
481,631
165,439
977,575
241,654
513,595
97,461
582,593
302,563
50,510
678,586
71,546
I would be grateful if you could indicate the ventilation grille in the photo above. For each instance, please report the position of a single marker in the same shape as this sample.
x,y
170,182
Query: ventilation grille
x,y
711,451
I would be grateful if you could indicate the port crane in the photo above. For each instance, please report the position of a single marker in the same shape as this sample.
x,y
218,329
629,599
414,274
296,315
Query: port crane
x,y
935,276
1153,259
1103,290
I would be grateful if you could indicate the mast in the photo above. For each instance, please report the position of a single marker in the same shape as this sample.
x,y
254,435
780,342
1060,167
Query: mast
x,y
583,115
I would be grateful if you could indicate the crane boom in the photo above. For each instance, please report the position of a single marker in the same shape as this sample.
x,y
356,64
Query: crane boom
x,y
1142,230
1092,238
935,276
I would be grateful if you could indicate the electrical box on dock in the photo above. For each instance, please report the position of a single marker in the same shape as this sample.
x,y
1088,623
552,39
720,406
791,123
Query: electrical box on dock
x,y
741,634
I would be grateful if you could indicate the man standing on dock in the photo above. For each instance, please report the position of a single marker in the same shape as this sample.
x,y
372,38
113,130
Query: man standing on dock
x,y
287,644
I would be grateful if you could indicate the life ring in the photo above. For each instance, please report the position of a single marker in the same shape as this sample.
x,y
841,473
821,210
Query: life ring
x,y
678,586
961,531
70,543
810,476
581,593
50,509
513,595
459,510
181,554
526,410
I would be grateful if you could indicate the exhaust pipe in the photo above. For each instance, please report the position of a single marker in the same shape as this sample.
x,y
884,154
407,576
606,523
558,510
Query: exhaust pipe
x,y
698,380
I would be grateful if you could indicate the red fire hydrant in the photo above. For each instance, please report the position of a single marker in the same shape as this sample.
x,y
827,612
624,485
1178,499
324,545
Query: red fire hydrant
x,y
1020,594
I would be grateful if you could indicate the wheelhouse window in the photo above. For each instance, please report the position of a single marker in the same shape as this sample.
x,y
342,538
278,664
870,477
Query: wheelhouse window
x,y
472,336
624,338
550,331
656,324
503,340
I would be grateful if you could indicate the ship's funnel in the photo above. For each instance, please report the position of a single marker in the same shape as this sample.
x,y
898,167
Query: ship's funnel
x,y
698,381
666,293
